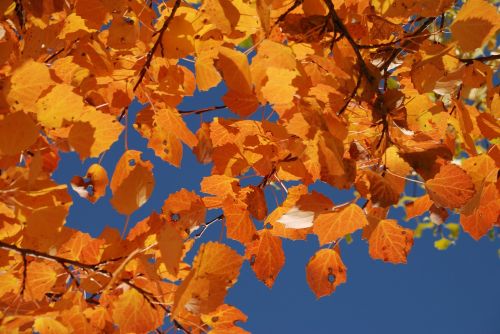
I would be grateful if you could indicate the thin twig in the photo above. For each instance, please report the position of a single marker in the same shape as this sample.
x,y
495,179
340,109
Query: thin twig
x,y
200,111
339,26
483,58
207,224
151,52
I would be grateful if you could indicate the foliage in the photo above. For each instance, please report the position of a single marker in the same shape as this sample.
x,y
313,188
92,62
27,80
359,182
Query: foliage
x,y
362,95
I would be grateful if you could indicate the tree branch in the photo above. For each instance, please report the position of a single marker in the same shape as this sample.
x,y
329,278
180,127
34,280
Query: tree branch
x,y
207,224
151,52
385,65
200,111
63,261
483,58
343,30
351,96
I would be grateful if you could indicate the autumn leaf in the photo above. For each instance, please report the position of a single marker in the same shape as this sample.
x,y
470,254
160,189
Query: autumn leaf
x,y
17,133
451,187
171,247
476,21
378,97
325,271
132,182
132,312
481,214
266,257
390,242
95,186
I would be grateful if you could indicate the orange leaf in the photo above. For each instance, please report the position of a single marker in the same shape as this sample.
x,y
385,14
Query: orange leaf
x,y
132,182
48,325
266,257
390,242
171,246
451,187
17,133
186,209
418,207
334,225
475,23
325,271
94,133
28,83
40,278
238,222
97,180
224,317
481,213
134,314
256,202
376,188
215,268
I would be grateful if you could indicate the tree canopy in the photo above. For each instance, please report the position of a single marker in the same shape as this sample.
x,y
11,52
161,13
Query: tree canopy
x,y
396,101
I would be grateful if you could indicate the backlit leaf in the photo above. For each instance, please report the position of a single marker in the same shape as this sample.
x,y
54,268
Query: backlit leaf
x,y
390,242
325,271
451,187
266,257
132,182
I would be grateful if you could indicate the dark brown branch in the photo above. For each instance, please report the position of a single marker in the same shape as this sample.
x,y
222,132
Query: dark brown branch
x,y
157,44
52,56
340,27
20,13
70,273
151,52
283,16
483,58
34,253
200,111
396,52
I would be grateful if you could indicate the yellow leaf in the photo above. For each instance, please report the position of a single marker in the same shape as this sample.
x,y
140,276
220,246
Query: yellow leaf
x,y
48,325
28,83
59,105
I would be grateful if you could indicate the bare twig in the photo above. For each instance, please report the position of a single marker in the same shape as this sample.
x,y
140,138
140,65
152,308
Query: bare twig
x,y
385,65
151,52
200,111
351,96
483,58
207,224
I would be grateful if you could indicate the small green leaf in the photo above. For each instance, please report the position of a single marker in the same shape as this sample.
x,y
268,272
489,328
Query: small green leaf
x,y
442,244
247,43
348,239
491,234
392,83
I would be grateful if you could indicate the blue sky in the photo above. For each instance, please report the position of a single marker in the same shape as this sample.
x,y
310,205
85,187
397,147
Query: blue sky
x,y
455,291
